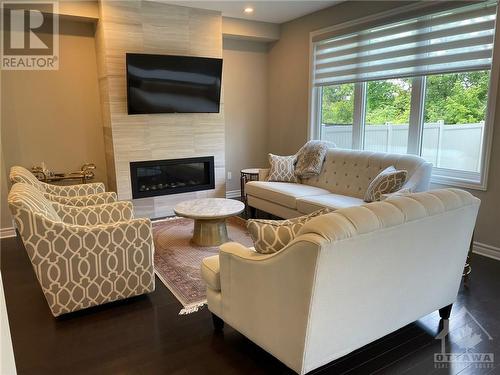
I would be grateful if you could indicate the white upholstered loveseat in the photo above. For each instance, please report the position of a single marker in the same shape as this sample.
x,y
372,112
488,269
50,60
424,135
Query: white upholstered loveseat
x,y
349,278
342,183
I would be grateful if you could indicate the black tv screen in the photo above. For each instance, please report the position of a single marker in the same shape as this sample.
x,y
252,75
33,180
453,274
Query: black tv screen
x,y
172,84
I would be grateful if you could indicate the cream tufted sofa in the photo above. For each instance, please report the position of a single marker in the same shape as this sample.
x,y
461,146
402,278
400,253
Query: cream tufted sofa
x,y
83,256
74,195
349,278
342,183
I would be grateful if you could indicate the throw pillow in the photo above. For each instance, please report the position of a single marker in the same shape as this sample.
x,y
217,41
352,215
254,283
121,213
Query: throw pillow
x,y
388,181
270,236
282,168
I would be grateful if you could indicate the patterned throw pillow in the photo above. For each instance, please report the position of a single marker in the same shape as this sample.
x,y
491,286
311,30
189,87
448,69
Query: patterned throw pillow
x,y
282,168
388,181
270,236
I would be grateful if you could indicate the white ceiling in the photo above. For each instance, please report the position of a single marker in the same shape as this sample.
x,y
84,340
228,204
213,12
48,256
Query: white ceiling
x,y
277,11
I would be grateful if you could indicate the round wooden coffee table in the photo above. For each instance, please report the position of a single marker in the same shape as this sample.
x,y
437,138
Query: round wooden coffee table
x,y
209,216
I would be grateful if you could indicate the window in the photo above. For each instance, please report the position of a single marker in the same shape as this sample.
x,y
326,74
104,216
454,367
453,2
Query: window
x,y
418,86
337,112
387,115
455,112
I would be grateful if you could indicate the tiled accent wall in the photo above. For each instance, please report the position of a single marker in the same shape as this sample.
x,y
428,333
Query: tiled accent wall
x,y
154,27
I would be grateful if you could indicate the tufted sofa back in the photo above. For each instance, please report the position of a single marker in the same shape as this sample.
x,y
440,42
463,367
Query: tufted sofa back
x,y
349,172
355,221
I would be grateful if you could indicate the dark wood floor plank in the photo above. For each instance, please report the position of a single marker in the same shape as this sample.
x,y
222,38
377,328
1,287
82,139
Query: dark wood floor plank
x,y
423,355
145,334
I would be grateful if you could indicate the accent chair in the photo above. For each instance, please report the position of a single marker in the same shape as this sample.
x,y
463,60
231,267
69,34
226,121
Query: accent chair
x,y
83,256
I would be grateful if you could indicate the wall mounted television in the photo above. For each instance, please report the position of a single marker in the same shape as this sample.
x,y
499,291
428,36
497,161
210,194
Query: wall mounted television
x,y
172,84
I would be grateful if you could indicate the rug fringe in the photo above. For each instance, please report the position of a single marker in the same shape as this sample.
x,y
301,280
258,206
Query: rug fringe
x,y
192,309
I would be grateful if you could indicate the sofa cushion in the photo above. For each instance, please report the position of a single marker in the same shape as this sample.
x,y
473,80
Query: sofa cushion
x,y
334,201
210,271
283,193
270,236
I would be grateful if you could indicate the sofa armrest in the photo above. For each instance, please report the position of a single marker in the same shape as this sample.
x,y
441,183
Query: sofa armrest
x,y
267,297
84,200
263,174
74,190
108,213
238,250
399,193
420,179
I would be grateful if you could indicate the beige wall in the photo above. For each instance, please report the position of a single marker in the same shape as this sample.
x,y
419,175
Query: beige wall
x,y
5,217
237,28
54,116
245,91
288,99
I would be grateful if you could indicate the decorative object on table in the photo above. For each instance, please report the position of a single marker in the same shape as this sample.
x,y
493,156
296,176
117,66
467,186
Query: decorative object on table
x,y
177,259
20,174
83,256
246,175
85,174
270,236
390,180
282,168
209,216
310,158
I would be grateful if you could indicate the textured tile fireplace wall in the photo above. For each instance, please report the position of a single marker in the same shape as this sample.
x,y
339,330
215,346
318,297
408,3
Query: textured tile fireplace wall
x,y
155,27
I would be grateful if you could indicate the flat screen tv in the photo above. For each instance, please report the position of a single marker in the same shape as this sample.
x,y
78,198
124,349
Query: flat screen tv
x,y
172,84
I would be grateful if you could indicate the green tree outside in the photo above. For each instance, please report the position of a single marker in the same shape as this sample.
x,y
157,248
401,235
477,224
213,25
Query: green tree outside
x,y
459,98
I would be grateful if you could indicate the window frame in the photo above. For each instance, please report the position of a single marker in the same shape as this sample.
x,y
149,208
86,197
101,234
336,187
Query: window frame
x,y
440,176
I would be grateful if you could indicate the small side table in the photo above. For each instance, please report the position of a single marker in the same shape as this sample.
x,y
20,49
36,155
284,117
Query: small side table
x,y
85,174
249,174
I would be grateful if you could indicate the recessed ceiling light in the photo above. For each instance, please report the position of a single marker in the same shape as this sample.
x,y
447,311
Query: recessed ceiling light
x,y
248,10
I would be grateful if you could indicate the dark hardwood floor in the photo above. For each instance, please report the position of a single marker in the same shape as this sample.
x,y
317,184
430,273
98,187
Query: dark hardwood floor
x,y
144,335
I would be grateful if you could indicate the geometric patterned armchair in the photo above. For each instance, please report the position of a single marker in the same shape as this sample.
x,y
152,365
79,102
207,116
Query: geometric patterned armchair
x,y
74,195
83,256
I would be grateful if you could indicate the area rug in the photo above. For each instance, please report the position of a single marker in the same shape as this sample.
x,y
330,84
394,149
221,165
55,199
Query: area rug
x,y
177,261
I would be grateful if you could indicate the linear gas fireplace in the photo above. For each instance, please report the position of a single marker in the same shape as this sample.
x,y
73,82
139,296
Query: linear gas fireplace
x,y
161,177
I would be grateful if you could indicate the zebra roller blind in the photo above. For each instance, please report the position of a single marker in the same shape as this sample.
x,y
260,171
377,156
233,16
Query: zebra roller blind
x,y
449,41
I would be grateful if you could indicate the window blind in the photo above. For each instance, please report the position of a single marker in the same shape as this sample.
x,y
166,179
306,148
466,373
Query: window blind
x,y
456,40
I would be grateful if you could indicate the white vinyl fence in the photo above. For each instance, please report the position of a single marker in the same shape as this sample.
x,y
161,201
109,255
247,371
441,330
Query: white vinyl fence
x,y
445,146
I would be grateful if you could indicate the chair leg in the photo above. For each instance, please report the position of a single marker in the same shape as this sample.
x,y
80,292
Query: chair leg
x,y
445,312
218,323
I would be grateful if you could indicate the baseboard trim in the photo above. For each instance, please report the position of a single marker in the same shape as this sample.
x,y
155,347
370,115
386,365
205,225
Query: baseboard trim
x,y
489,251
233,193
7,232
